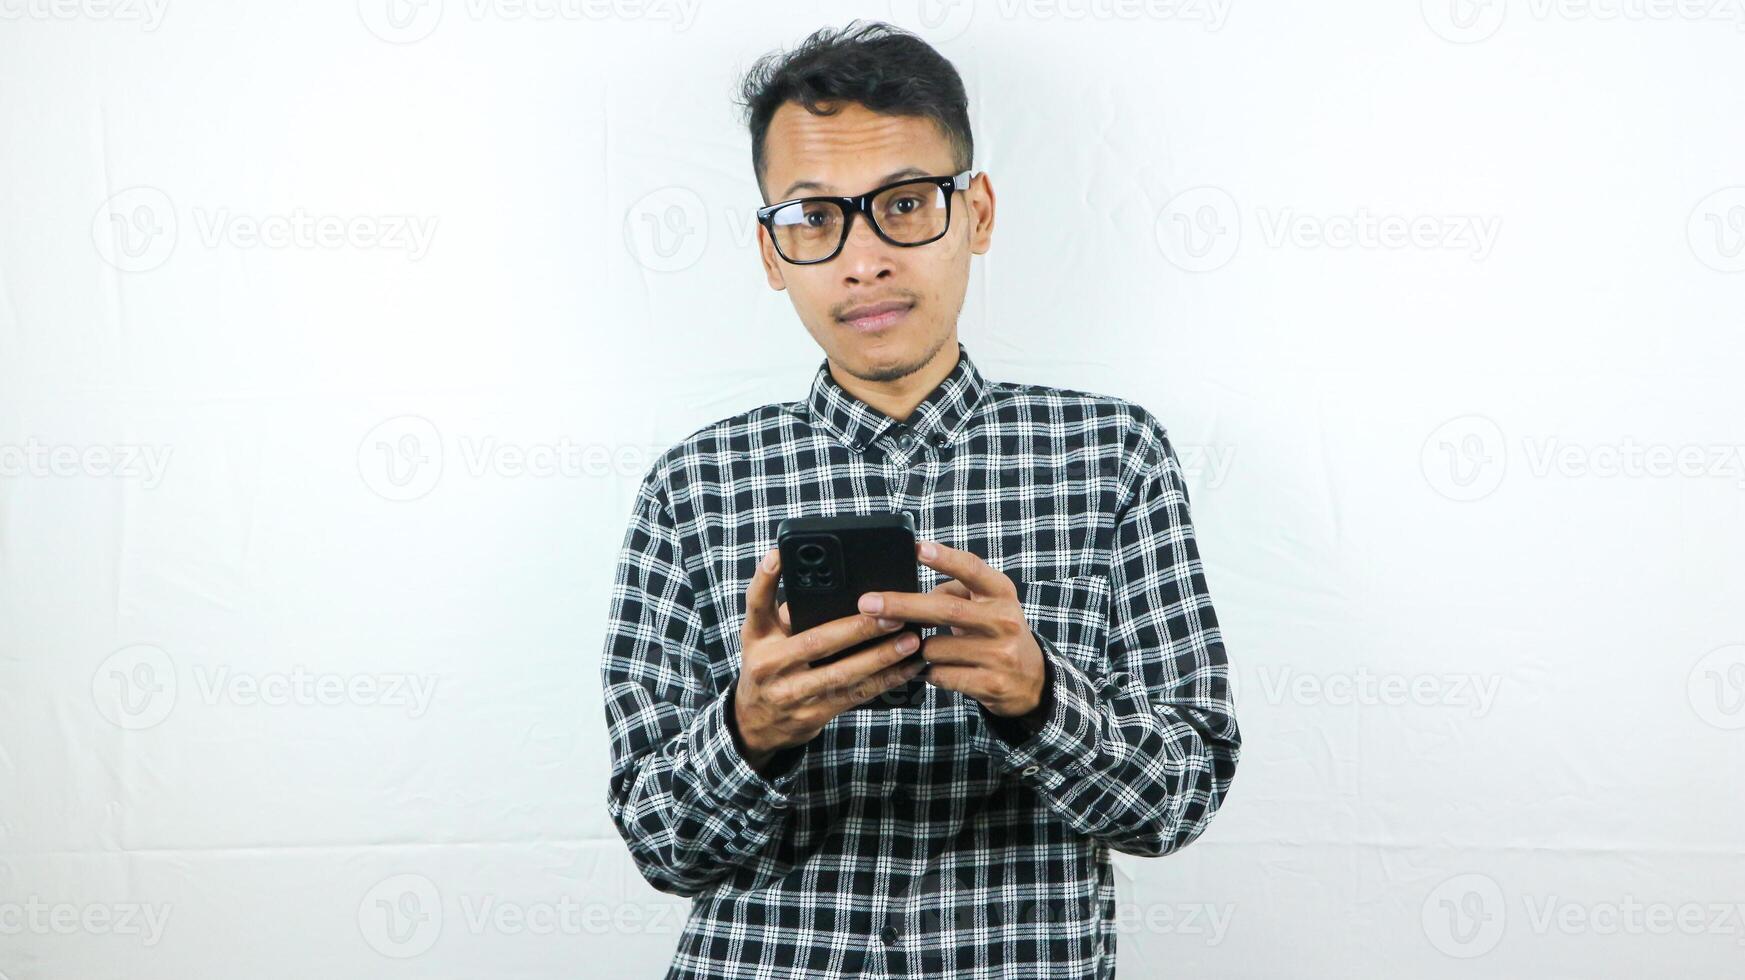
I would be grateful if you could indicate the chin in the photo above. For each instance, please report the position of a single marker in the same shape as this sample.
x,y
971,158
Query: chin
x,y
888,358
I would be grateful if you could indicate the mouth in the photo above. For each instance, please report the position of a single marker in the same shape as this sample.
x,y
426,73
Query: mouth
x,y
877,316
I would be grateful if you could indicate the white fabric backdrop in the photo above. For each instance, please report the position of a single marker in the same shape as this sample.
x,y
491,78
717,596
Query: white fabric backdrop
x,y
334,339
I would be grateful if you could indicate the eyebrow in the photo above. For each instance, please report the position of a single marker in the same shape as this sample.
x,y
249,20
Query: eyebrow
x,y
812,185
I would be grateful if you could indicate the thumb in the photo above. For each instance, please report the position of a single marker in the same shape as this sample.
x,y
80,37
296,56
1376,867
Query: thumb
x,y
760,597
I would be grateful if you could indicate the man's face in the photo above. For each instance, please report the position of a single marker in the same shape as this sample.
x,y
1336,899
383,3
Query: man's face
x,y
850,153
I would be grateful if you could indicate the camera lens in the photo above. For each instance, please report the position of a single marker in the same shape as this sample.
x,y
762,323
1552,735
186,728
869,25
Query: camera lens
x,y
811,554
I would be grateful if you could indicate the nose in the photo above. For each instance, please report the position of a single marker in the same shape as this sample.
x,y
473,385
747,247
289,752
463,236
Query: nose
x,y
865,256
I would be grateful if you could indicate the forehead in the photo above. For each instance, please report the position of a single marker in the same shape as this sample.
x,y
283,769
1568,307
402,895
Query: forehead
x,y
850,151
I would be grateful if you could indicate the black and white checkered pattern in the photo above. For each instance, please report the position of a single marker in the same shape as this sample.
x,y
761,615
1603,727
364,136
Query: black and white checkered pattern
x,y
936,841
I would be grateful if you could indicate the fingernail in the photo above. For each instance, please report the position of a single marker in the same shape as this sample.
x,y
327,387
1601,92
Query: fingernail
x,y
889,624
908,642
929,550
872,602
769,561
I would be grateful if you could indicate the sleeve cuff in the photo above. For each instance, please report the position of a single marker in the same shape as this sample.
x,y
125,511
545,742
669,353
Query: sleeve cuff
x,y
1066,739
729,777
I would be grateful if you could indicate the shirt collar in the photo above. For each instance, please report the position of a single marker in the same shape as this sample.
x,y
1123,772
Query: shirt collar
x,y
936,420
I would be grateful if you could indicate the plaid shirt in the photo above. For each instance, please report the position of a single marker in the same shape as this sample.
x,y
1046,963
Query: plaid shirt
x,y
943,840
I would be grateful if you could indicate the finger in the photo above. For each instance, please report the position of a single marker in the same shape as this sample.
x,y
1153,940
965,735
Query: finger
x,y
888,680
854,669
822,640
787,621
967,567
935,608
760,597
861,691
952,586
964,680
946,650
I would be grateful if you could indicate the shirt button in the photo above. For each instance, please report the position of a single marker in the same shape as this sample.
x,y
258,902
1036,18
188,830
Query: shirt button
x,y
906,440
939,439
1032,770
889,935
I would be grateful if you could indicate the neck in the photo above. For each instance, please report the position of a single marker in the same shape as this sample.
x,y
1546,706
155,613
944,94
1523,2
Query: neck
x,y
898,397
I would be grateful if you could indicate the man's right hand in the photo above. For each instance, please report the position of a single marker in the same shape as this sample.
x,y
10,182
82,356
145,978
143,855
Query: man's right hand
x,y
781,699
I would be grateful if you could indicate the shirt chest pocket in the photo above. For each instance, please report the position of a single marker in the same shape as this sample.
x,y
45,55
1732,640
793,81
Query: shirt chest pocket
x,y
1073,614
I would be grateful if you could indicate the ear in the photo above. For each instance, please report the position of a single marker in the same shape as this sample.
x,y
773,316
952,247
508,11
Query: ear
x,y
772,263
980,198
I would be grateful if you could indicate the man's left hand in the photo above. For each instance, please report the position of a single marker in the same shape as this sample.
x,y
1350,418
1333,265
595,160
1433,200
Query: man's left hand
x,y
991,654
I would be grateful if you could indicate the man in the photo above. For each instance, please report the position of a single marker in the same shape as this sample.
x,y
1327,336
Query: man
x,y
1075,694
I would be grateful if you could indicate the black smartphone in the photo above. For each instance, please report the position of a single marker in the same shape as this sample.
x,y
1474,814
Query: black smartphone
x,y
828,563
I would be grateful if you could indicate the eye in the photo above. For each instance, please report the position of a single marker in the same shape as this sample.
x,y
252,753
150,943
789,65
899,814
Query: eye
x,y
905,204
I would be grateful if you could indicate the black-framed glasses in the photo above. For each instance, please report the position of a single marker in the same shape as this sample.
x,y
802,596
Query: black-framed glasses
x,y
809,230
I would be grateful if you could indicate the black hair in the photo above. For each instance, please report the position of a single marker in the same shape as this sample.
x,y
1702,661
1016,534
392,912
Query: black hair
x,y
882,67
